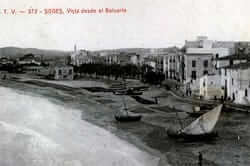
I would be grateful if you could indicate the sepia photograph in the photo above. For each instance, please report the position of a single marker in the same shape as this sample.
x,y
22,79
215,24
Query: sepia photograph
x,y
125,83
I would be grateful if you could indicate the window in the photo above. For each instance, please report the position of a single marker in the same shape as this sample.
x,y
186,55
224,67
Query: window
x,y
205,72
217,56
205,63
219,72
231,62
246,93
59,72
193,63
225,72
232,81
193,75
70,71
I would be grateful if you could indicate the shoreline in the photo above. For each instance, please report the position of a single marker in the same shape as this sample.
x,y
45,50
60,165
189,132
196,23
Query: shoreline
x,y
131,139
149,135
32,122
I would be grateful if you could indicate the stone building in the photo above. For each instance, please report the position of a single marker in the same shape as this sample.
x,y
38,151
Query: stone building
x,y
242,48
123,58
197,65
202,53
210,87
173,64
235,81
61,72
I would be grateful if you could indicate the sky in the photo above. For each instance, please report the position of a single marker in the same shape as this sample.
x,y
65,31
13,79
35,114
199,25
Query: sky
x,y
146,24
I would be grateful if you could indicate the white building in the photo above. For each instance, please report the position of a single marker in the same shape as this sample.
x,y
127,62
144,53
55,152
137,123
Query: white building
x,y
173,66
210,87
123,58
79,57
197,65
61,72
150,61
235,81
200,55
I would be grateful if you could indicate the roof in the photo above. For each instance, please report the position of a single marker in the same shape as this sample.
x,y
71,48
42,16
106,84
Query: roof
x,y
34,67
62,65
234,57
224,44
198,54
245,65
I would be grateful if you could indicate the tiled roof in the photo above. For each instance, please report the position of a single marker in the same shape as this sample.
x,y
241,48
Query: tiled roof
x,y
244,65
198,54
234,57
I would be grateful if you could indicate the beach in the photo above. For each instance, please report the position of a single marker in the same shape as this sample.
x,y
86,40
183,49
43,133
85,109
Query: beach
x,y
91,115
34,131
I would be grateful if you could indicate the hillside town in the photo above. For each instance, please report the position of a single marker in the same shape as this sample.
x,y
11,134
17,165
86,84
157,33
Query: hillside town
x,y
184,105
202,68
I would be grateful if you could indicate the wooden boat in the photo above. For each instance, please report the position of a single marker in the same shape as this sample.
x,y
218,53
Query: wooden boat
x,y
196,113
141,88
127,92
133,92
128,118
201,128
125,116
120,92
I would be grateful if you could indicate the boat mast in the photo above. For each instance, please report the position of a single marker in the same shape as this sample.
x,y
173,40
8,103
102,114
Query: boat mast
x,y
180,122
123,97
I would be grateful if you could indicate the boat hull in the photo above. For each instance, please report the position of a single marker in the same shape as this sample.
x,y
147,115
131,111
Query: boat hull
x,y
129,118
134,93
195,114
127,93
205,136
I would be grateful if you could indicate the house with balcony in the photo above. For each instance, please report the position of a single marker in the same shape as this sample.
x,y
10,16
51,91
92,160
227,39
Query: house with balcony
x,y
173,66
199,58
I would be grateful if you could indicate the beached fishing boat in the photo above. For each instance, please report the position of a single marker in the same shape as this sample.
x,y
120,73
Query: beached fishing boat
x,y
131,92
123,115
202,127
120,92
195,114
121,88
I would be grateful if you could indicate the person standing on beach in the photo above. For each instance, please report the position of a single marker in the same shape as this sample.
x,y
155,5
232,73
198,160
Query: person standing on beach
x,y
200,159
